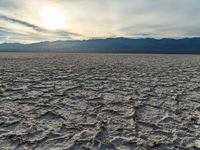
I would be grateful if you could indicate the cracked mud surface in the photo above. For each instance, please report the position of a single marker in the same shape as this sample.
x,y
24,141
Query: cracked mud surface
x,y
97,101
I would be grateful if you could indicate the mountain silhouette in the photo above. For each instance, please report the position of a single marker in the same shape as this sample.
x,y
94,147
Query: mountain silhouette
x,y
111,45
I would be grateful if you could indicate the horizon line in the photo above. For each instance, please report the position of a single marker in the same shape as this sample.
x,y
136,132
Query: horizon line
x,y
131,38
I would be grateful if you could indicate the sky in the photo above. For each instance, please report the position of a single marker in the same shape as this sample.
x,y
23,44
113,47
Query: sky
x,y
30,21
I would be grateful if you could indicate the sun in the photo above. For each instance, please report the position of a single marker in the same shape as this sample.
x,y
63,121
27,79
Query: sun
x,y
53,18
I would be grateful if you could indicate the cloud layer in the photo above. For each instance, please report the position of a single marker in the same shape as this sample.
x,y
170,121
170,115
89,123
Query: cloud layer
x,y
20,21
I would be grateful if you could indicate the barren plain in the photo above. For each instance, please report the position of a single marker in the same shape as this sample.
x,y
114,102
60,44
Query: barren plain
x,y
59,101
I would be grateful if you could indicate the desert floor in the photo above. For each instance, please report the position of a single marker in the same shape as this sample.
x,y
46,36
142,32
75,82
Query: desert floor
x,y
55,101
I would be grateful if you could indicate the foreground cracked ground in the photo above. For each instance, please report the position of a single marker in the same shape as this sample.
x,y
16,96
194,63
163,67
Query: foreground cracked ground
x,y
96,101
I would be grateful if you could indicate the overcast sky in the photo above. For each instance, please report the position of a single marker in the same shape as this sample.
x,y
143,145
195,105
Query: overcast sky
x,y
22,21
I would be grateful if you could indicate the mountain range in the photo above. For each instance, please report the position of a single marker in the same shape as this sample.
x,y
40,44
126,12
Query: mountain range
x,y
111,45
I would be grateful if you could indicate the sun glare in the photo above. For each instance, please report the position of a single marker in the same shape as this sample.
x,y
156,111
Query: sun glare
x,y
53,18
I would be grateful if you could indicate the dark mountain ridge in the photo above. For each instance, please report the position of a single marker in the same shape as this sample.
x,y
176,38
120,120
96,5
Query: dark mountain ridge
x,y
111,45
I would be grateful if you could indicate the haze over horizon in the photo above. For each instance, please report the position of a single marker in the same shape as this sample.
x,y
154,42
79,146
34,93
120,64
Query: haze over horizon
x,y
50,20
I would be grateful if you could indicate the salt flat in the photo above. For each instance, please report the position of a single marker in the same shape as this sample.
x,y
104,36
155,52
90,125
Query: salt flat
x,y
99,101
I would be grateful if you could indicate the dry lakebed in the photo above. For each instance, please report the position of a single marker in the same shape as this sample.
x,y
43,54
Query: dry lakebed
x,y
60,101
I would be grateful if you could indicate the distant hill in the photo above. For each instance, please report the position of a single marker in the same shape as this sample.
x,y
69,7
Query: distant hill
x,y
112,45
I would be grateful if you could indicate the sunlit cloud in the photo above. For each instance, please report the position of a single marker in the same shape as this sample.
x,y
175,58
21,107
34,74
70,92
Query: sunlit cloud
x,y
36,20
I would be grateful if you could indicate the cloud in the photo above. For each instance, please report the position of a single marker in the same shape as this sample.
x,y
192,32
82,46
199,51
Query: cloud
x,y
24,23
94,18
39,29
6,31
9,3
